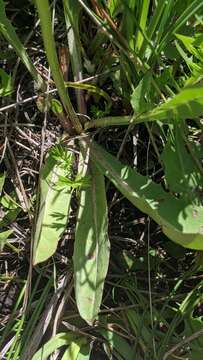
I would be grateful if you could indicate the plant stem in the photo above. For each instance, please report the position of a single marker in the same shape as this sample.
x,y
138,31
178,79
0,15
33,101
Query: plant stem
x,y
49,44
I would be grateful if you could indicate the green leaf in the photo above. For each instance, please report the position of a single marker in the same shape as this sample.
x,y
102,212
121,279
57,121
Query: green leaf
x,y
9,201
117,346
189,61
56,342
138,98
56,106
2,181
142,22
194,325
8,31
179,220
91,251
73,350
6,86
54,209
188,104
84,353
193,45
140,326
43,8
3,238
9,217
181,173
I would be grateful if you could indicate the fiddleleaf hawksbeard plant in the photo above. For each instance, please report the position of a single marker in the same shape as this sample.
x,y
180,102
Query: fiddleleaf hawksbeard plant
x,y
179,214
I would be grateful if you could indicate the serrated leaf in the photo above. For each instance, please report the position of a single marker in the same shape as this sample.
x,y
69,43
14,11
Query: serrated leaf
x,y
181,221
54,206
91,250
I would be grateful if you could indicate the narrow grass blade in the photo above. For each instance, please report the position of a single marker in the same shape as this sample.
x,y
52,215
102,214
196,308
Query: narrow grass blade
x,y
91,251
10,35
180,221
187,13
13,321
2,181
155,21
142,22
53,209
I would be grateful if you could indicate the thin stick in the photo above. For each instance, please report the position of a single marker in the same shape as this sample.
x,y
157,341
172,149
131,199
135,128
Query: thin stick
x,y
34,97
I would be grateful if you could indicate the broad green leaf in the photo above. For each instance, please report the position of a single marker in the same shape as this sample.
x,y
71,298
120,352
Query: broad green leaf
x,y
84,353
188,104
181,172
56,342
73,350
54,206
3,238
91,250
138,98
180,221
6,86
